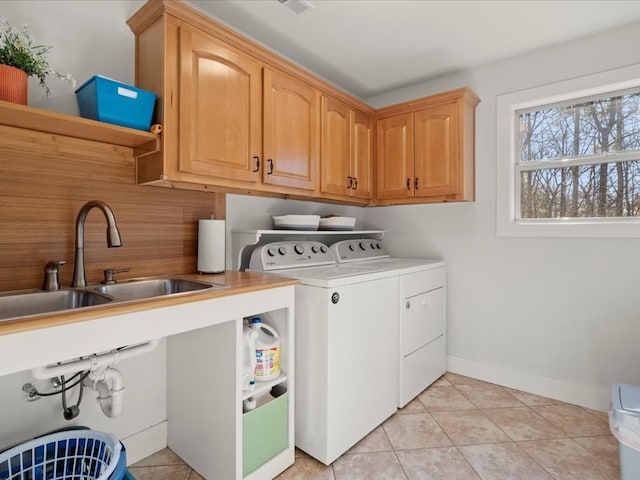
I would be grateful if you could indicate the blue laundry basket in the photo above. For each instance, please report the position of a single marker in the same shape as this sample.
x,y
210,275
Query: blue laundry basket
x,y
66,455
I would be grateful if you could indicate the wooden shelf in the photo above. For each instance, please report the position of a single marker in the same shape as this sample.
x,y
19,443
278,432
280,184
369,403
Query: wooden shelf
x,y
22,116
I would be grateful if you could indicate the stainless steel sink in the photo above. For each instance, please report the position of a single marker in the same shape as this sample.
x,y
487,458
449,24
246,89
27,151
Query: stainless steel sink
x,y
33,302
24,303
138,289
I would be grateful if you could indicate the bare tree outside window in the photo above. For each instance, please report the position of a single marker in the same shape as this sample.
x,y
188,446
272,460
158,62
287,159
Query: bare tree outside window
x,y
581,159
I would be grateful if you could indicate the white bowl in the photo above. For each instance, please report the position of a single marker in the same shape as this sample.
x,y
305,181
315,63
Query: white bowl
x,y
296,222
337,223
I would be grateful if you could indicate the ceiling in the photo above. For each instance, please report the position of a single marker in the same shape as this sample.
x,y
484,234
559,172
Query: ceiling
x,y
367,47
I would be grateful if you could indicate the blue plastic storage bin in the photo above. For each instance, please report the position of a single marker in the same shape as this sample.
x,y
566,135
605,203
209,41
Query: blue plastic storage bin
x,y
66,455
101,98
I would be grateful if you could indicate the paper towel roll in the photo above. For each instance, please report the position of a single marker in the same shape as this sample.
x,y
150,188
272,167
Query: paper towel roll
x,y
211,245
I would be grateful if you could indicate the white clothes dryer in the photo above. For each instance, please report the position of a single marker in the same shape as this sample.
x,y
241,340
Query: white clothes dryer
x,y
421,311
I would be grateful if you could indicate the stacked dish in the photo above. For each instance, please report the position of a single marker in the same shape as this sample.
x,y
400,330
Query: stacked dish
x,y
296,222
337,223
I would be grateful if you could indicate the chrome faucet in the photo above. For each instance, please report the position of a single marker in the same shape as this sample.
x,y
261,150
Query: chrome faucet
x,y
113,238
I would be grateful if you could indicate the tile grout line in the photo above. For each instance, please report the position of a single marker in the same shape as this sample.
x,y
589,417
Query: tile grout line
x,y
511,440
450,439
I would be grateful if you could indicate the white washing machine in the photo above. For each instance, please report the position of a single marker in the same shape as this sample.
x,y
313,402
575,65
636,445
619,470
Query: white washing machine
x,y
421,310
346,331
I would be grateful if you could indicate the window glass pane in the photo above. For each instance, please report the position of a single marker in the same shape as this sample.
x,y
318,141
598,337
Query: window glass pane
x,y
600,190
581,129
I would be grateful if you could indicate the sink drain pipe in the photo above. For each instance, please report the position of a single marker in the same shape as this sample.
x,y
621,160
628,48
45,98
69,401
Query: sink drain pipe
x,y
107,381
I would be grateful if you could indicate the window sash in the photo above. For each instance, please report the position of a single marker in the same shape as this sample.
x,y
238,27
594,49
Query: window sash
x,y
601,157
579,99
625,207
612,157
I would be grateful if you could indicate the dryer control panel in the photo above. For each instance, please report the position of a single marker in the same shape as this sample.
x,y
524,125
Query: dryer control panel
x,y
279,255
358,249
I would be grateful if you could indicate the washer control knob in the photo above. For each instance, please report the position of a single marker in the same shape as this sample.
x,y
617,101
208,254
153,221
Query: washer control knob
x,y
378,246
314,248
323,249
363,246
282,251
271,251
352,247
372,246
299,249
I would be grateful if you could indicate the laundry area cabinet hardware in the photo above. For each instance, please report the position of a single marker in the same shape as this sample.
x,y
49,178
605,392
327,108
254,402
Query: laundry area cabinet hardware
x,y
425,149
347,152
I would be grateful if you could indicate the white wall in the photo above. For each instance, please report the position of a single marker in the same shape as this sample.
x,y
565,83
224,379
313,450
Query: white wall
x,y
555,316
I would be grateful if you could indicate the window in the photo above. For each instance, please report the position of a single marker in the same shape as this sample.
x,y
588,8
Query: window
x,y
569,163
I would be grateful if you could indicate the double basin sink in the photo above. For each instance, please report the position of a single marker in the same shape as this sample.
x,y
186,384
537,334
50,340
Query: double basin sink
x,y
24,303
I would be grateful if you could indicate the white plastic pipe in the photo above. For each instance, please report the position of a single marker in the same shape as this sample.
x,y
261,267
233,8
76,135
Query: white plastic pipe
x,y
94,362
109,385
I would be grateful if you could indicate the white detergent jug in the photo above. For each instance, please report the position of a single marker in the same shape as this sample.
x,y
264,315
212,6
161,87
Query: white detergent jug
x,y
249,336
267,348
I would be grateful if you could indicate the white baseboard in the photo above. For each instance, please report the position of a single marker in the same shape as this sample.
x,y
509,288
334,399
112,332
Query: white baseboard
x,y
588,396
147,442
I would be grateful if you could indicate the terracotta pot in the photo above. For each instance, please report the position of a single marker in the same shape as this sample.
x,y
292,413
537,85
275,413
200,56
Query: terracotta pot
x,y
13,84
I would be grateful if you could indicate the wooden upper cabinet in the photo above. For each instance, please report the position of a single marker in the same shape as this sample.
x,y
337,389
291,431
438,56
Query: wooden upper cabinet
x,y
425,149
394,157
347,143
335,160
291,131
238,118
436,150
361,155
220,104
224,113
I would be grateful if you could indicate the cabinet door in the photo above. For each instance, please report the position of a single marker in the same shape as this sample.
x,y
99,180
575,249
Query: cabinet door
x,y
394,159
220,109
335,161
291,131
436,150
361,155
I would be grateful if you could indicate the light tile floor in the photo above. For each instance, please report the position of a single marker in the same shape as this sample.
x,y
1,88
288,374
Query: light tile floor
x,y
458,429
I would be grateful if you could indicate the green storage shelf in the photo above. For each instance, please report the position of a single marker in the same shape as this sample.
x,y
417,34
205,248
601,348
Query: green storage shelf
x,y
265,433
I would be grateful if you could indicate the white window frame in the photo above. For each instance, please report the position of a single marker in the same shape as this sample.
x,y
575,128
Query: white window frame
x,y
508,185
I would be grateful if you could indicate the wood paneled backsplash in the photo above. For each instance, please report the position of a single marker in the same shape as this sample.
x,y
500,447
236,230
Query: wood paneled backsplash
x,y
44,181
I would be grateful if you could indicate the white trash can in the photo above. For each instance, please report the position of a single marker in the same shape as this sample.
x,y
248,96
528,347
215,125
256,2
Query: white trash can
x,y
624,421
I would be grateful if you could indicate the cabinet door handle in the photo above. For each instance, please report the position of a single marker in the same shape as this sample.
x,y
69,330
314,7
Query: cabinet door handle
x,y
355,183
407,305
257,159
408,184
349,182
415,183
270,162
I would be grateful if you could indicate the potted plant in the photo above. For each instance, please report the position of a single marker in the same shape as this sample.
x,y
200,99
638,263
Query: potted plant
x,y
21,58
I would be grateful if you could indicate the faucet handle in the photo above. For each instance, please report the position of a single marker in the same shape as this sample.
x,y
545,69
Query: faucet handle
x,y
51,269
110,272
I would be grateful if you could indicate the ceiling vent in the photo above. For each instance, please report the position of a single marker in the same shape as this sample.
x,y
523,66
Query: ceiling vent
x,y
296,6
